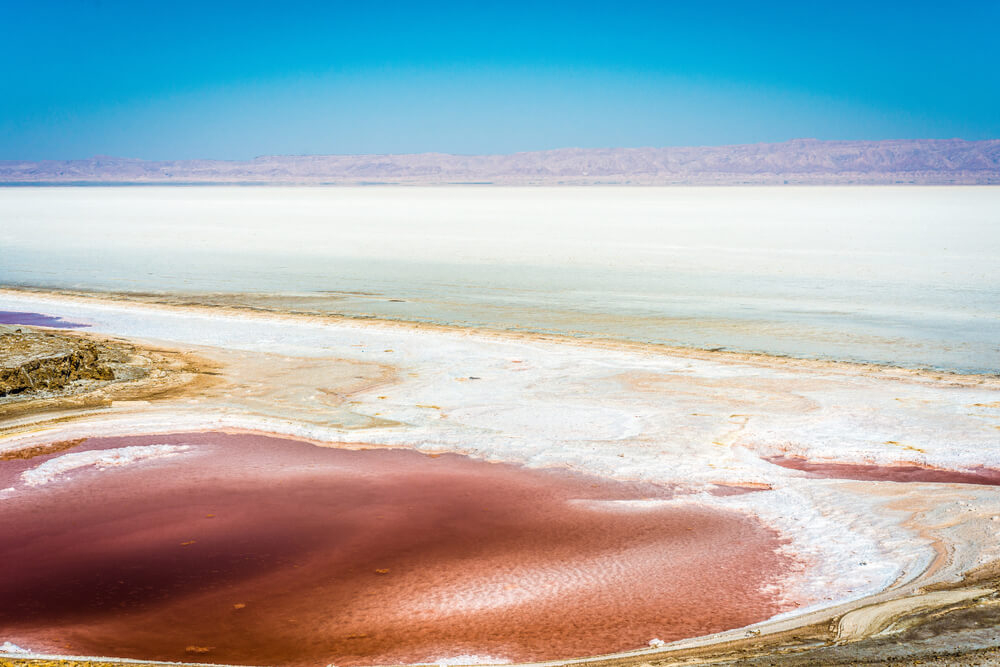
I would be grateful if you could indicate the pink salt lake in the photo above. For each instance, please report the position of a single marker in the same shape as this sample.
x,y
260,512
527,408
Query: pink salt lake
x,y
253,549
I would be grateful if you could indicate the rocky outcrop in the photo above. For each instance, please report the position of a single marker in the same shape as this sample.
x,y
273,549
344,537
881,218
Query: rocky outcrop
x,y
44,372
32,364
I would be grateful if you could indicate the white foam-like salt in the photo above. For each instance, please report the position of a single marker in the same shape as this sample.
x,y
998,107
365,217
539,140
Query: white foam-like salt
x,y
12,648
469,659
101,459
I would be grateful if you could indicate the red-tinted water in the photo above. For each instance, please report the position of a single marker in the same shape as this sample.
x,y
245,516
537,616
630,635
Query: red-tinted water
x,y
879,473
251,549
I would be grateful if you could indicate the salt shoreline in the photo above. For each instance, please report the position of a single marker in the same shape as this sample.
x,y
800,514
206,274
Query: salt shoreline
x,y
594,389
889,371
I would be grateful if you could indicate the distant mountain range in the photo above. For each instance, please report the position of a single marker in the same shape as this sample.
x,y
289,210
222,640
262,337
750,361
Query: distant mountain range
x,y
801,161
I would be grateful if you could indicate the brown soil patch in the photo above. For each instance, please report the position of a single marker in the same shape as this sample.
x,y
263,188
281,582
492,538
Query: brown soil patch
x,y
40,450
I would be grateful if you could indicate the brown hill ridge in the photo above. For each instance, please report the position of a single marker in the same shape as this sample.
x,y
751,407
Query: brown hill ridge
x,y
801,161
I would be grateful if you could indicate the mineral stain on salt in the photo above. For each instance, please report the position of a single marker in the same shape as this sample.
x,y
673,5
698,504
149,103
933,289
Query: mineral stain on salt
x,y
37,320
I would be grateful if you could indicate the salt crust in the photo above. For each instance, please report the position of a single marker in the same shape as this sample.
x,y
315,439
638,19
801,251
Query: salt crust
x,y
466,659
550,404
101,459
11,648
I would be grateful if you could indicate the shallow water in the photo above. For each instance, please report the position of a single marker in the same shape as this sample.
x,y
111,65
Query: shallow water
x,y
37,320
888,473
264,550
902,275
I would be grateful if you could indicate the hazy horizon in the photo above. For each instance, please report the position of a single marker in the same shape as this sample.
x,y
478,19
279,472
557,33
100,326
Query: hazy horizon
x,y
812,162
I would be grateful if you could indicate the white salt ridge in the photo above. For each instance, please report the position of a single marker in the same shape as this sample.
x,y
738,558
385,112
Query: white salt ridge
x,y
100,459
11,648
639,505
467,659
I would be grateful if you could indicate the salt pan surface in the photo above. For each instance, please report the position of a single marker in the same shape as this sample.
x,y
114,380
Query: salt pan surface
x,y
627,414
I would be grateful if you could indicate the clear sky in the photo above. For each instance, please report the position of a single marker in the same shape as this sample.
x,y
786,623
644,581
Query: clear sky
x,y
176,79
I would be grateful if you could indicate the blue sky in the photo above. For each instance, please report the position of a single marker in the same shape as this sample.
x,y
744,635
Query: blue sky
x,y
176,80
